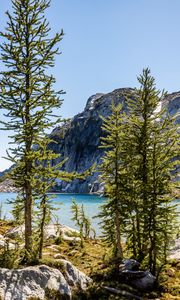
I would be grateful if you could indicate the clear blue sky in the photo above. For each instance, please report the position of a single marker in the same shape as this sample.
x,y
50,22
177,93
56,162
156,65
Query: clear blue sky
x,y
106,45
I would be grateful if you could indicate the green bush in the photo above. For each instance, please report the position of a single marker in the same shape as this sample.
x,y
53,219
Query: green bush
x,y
10,258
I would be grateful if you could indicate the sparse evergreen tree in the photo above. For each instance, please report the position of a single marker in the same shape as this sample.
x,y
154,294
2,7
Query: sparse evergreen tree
x,y
82,222
27,94
77,217
152,142
137,173
139,126
162,213
75,209
113,174
46,175
86,222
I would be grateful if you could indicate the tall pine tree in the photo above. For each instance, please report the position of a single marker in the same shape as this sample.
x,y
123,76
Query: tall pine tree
x,y
152,140
137,173
113,175
27,94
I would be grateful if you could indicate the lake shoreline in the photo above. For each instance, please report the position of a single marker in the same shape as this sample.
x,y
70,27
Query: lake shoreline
x,y
61,193
62,203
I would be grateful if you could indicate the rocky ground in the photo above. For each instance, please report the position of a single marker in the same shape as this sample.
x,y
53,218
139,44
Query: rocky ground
x,y
42,282
73,272
175,251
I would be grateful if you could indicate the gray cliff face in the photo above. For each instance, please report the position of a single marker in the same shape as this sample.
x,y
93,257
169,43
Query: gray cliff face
x,y
79,139
172,102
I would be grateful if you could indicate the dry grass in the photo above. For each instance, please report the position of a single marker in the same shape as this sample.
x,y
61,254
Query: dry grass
x,y
87,259
170,281
91,259
5,226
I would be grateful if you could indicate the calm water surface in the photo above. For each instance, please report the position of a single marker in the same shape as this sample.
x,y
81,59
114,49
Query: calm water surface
x,y
63,202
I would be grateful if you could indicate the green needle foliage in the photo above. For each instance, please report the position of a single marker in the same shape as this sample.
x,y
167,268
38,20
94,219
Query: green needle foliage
x,y
113,174
137,172
82,222
152,140
45,175
28,97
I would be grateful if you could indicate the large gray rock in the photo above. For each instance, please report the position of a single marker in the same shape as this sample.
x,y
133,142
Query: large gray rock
x,y
130,274
143,281
37,281
24,284
15,232
75,277
130,265
67,233
6,244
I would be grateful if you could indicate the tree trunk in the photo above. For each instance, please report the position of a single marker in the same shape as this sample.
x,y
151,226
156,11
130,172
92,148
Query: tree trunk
x,y
42,225
143,252
134,237
119,249
139,245
28,146
28,218
118,236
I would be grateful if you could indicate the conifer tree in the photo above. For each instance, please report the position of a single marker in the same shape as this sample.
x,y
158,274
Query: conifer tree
x,y
139,126
27,94
45,175
162,213
137,172
113,174
82,221
152,140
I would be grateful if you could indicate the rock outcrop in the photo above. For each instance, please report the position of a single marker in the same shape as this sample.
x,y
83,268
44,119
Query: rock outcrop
x,y
141,280
175,250
51,231
6,186
79,139
74,277
4,243
41,282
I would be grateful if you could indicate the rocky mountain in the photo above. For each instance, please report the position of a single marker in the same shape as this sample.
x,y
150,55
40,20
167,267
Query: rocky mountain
x,y
79,139
6,186
3,173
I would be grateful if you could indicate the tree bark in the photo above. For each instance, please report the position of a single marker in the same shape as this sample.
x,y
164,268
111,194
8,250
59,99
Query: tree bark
x,y
28,146
42,225
118,236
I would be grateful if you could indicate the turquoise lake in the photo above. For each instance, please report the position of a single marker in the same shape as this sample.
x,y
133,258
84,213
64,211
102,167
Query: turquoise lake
x,y
63,202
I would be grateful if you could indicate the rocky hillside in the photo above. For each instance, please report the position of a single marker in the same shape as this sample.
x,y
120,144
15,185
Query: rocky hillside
x,y
6,186
79,139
